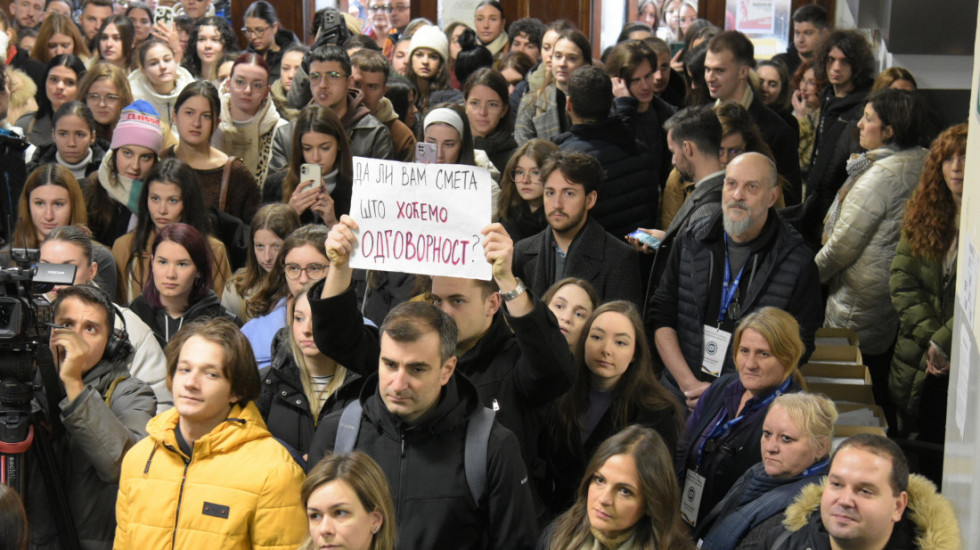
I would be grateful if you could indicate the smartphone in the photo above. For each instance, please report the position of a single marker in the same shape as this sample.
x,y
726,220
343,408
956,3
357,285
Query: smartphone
x,y
675,47
164,14
646,239
311,172
426,153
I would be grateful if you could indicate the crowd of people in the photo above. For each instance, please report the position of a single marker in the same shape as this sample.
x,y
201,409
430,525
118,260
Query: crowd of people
x,y
672,221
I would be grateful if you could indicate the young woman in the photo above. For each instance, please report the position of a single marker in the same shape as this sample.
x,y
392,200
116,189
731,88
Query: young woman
x,y
170,195
60,86
292,60
159,80
178,289
301,259
142,17
472,57
648,12
214,425
249,118
320,139
739,134
806,110
302,385
775,89
427,68
627,499
489,115
490,24
572,301
616,386
112,193
105,90
542,112
404,100
115,43
210,39
449,129
58,35
75,146
514,67
265,35
354,484
453,31
522,190
196,112
270,227
51,198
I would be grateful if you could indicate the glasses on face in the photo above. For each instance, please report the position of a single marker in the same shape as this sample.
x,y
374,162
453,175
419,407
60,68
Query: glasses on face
x,y
519,173
332,76
254,32
108,99
240,85
386,9
313,271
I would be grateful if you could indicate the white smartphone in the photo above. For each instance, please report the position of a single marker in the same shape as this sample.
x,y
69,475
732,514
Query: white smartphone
x,y
426,153
309,172
164,14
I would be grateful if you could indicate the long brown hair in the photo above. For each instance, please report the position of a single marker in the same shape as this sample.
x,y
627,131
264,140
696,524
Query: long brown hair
x,y
323,120
637,387
536,149
660,526
25,232
275,287
930,220
278,218
53,24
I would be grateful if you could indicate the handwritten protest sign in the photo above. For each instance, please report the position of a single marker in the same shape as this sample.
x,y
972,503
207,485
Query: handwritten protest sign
x,y
420,218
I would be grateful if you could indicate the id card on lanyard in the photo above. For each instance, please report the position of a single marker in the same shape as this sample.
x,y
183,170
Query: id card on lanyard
x,y
716,340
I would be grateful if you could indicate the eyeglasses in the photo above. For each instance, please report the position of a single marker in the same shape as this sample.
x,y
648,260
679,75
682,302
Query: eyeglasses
x,y
108,99
333,76
519,173
254,32
386,9
240,85
313,271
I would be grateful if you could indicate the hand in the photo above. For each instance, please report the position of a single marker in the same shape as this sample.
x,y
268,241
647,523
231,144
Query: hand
x,y
799,104
937,364
694,392
70,351
341,241
642,247
676,63
304,197
619,87
168,34
498,248
324,207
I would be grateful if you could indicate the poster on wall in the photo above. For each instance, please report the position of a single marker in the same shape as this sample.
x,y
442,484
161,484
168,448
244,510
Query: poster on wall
x,y
766,22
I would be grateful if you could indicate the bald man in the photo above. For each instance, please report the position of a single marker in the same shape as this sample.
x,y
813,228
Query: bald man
x,y
750,247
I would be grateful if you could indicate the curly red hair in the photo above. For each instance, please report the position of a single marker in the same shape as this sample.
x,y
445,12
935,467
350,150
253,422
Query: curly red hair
x,y
930,220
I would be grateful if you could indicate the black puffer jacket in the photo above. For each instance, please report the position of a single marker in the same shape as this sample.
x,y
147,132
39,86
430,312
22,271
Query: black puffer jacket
x,y
46,155
648,129
628,196
423,463
208,307
284,405
780,272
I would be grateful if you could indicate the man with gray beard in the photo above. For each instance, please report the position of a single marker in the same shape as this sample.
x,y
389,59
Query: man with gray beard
x,y
722,268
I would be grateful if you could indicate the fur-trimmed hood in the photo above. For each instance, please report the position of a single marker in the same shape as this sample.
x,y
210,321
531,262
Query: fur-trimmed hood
x,y
936,527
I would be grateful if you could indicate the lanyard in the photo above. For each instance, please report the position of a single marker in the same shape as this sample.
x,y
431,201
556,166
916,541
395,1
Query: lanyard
x,y
728,290
722,427
815,468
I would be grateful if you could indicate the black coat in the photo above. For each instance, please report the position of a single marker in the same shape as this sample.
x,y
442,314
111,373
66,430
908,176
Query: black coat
x,y
780,272
499,145
515,372
284,38
208,307
284,405
521,223
627,198
423,463
784,141
648,129
609,264
47,155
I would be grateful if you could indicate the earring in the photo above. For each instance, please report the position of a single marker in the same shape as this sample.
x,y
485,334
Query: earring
x,y
374,530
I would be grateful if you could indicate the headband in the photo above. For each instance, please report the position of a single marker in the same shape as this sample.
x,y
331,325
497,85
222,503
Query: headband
x,y
445,116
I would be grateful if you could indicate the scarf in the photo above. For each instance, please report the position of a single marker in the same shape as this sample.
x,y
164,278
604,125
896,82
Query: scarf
x,y
857,165
249,140
124,190
604,542
498,44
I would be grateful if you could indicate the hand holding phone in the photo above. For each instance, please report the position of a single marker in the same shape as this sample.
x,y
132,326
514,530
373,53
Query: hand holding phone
x,y
645,238
312,172
426,153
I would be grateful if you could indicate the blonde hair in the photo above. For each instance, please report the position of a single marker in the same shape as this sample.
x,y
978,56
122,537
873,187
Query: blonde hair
x,y
22,92
814,414
781,332
340,374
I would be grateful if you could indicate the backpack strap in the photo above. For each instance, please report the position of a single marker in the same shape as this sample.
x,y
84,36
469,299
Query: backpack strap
x,y
350,425
780,541
475,453
112,388
225,175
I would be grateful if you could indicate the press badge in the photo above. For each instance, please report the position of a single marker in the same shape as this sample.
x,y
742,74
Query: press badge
x,y
715,350
691,497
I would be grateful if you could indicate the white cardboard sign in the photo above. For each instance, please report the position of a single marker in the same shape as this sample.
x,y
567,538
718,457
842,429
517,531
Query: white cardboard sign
x,y
420,218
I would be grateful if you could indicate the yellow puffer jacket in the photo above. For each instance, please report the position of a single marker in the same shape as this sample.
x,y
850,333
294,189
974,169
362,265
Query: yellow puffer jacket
x,y
241,489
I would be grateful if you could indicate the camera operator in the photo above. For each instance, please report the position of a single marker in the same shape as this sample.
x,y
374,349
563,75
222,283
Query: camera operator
x,y
72,244
104,412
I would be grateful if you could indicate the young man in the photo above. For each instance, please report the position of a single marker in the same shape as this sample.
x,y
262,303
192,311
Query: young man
x,y
94,12
525,36
727,64
862,504
104,412
810,26
398,17
415,407
369,72
574,244
748,236
330,82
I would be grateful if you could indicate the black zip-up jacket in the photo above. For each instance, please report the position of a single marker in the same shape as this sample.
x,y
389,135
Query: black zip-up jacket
x,y
423,463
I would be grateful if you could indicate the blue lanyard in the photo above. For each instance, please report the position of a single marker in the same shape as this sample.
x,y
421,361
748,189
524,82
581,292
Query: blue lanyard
x,y
815,468
728,291
721,427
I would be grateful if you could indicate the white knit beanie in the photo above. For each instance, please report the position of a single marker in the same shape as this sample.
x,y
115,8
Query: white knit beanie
x,y
430,36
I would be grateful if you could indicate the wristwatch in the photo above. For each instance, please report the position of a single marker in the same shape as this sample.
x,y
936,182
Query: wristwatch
x,y
518,290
